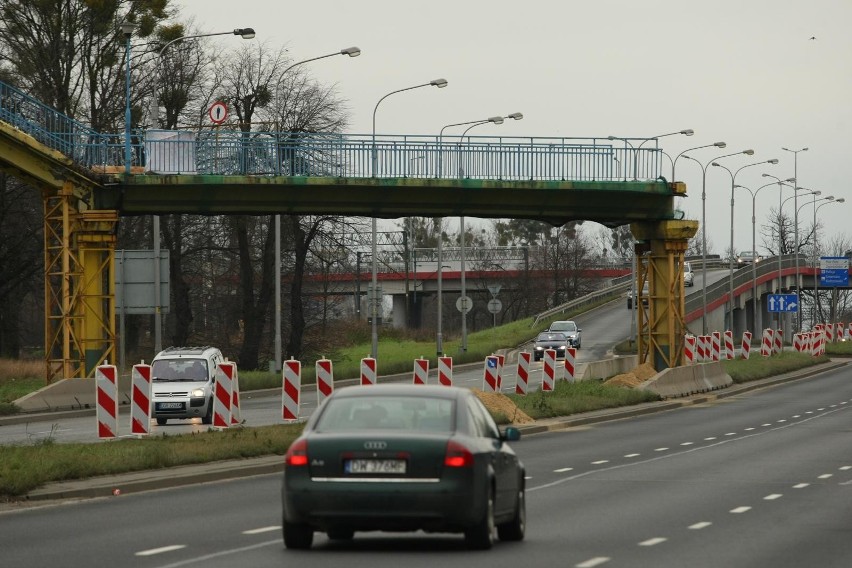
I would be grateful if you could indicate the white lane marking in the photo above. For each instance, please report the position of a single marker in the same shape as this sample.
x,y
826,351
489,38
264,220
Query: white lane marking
x,y
767,424
749,429
797,416
846,468
263,530
699,526
632,455
528,477
844,402
731,434
599,462
562,469
825,476
809,412
739,510
661,449
782,420
592,562
710,438
686,444
201,559
800,485
653,541
833,406
772,497
669,456
161,550
820,409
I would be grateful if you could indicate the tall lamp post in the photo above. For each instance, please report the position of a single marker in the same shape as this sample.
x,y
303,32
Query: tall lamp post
x,y
246,33
754,300
676,158
374,351
829,199
781,185
795,196
351,52
127,29
686,132
796,229
814,201
748,152
731,259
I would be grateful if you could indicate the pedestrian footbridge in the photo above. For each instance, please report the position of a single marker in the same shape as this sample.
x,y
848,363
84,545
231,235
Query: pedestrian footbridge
x,y
90,179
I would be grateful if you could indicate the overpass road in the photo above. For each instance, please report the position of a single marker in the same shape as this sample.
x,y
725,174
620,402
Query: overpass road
x,y
760,479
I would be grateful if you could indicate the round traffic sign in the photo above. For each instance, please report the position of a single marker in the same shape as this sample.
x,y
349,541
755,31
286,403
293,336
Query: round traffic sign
x,y
464,304
218,112
495,306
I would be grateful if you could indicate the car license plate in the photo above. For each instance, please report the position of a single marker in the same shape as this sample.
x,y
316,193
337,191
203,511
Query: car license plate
x,y
169,405
374,466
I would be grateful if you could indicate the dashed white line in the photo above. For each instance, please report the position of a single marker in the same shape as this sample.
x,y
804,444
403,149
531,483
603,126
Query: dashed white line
x,y
711,438
731,434
699,526
600,462
739,510
653,541
825,476
767,424
686,444
749,429
161,550
528,477
262,530
846,468
661,449
833,406
800,485
797,416
772,497
782,420
632,455
562,469
592,562
820,409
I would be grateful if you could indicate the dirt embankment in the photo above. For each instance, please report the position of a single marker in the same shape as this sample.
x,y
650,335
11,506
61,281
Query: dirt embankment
x,y
634,378
497,402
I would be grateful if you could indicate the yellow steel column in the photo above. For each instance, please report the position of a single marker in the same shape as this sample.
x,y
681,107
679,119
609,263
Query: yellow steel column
x,y
661,341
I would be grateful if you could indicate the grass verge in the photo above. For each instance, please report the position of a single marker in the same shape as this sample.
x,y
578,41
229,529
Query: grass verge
x,y
574,398
754,368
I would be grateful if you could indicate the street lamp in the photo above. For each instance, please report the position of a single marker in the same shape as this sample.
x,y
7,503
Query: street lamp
x,y
829,199
796,227
351,52
748,152
246,33
440,83
731,260
127,29
686,132
754,299
781,185
676,158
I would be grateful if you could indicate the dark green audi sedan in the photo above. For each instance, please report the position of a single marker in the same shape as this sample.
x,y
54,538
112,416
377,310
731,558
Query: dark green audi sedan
x,y
403,458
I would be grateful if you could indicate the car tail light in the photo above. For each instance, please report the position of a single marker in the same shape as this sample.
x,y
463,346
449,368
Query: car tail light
x,y
457,455
297,455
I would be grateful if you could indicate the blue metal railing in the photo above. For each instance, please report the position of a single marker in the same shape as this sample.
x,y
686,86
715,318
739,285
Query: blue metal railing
x,y
229,151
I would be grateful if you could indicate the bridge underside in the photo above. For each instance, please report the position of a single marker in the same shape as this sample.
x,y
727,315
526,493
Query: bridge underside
x,y
611,203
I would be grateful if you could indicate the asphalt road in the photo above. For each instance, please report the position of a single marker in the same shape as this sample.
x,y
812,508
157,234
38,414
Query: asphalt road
x,y
755,480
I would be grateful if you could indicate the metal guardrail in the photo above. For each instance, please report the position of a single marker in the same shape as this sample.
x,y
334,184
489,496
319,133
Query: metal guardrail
x,y
228,150
588,299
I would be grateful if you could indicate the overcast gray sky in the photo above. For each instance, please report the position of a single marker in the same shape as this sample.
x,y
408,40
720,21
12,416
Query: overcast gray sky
x,y
741,71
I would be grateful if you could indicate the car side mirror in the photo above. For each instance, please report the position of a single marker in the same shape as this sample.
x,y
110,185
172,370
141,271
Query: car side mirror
x,y
510,434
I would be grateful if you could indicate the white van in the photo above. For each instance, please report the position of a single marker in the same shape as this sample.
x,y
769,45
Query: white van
x,y
182,383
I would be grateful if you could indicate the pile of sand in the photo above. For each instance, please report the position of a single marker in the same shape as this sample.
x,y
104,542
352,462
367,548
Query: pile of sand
x,y
497,402
634,378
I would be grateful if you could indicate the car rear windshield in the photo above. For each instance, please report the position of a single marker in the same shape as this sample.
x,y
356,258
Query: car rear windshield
x,y
179,370
410,413
563,326
547,336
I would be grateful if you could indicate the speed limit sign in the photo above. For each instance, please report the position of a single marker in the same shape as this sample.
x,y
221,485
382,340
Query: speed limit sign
x,y
218,112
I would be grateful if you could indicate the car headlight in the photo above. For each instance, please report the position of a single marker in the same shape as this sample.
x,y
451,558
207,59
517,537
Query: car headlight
x,y
197,393
539,348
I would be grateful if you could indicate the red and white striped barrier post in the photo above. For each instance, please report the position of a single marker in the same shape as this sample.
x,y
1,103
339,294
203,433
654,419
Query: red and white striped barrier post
x,y
778,340
570,364
236,417
523,373
839,333
106,391
140,399
325,380
729,344
717,346
689,349
489,377
368,371
829,332
421,371
291,388
548,377
849,331
797,342
745,350
501,360
701,349
222,395
766,343
445,371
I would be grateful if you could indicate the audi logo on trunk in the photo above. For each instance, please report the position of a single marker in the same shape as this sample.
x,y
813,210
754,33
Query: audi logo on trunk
x,y
375,445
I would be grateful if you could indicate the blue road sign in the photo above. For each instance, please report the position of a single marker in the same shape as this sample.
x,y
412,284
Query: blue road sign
x,y
783,302
833,271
